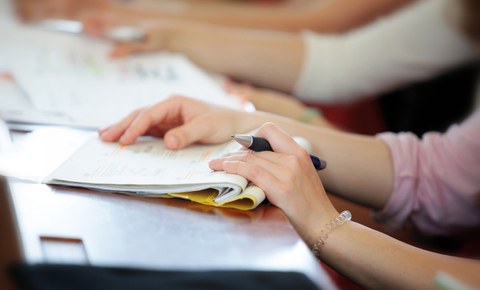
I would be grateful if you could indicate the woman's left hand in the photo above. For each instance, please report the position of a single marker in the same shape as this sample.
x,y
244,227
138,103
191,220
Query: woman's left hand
x,y
286,175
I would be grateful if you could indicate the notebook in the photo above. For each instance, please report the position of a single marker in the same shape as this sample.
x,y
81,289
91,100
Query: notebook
x,y
147,168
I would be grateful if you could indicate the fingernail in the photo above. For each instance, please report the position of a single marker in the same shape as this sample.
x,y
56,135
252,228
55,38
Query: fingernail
x,y
103,130
104,135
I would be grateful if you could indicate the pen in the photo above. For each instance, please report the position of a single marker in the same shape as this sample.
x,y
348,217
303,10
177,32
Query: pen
x,y
261,144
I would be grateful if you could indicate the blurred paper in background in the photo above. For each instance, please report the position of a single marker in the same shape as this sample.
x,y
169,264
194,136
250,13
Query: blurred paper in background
x,y
70,80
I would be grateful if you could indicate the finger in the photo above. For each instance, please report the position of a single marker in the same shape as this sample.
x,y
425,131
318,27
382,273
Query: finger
x,y
157,131
141,124
257,173
264,177
280,140
114,132
228,86
103,130
6,76
239,151
162,113
235,88
260,158
196,130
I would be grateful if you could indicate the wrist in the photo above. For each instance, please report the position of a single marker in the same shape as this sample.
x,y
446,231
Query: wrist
x,y
184,35
318,221
319,240
245,121
309,223
171,36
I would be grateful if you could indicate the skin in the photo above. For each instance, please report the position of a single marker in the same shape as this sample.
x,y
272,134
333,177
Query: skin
x,y
224,50
368,257
277,57
318,15
275,102
292,15
36,10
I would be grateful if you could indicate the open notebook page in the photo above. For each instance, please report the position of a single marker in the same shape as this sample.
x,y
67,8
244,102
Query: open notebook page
x,y
146,168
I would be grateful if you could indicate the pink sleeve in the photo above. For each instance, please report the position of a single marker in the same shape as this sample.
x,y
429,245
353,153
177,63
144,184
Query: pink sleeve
x,y
437,179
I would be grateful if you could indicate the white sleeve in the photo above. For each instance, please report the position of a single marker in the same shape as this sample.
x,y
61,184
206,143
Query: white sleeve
x,y
414,44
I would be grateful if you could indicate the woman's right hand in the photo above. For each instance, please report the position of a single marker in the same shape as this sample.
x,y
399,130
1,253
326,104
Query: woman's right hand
x,y
181,121
287,177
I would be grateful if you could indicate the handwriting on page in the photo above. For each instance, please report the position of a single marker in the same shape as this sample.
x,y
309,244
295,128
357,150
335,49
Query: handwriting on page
x,y
118,162
146,162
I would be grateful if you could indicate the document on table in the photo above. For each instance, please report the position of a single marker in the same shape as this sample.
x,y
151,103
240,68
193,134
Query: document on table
x,y
17,109
148,168
75,76
35,155
146,163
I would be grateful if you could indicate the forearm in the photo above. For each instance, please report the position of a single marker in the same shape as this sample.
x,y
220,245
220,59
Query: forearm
x,y
343,69
370,258
276,57
242,15
394,265
359,167
321,16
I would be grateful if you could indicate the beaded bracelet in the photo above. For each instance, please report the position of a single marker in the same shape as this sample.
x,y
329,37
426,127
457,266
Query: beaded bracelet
x,y
334,224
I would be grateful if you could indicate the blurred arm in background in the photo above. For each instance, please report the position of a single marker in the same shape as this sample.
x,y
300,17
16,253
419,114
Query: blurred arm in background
x,y
415,44
288,15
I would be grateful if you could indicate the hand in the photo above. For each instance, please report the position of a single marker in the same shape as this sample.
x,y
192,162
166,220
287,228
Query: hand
x,y
96,23
288,178
157,32
181,121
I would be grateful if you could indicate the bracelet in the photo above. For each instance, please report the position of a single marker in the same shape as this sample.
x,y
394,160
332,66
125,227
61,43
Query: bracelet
x,y
334,224
309,114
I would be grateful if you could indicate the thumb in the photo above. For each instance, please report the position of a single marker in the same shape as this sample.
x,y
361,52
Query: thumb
x,y
279,139
194,131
